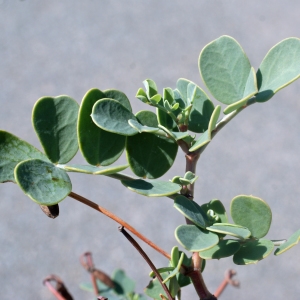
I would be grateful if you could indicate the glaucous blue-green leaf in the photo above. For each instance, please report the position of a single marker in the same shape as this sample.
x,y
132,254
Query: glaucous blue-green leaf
x,y
279,68
173,134
123,284
105,291
12,151
182,85
118,96
55,123
152,188
98,146
230,229
291,242
151,88
202,108
253,251
253,213
87,169
218,208
191,210
150,155
176,269
223,249
225,68
142,128
43,182
250,90
110,115
154,288
194,238
141,95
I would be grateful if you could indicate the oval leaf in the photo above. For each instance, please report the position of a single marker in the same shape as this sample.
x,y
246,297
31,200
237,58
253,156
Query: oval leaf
x,y
230,229
195,239
43,182
253,213
93,170
252,252
191,210
12,151
152,188
279,68
112,116
291,242
55,123
118,96
98,147
218,208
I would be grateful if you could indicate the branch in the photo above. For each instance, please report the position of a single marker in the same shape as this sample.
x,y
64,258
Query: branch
x,y
120,221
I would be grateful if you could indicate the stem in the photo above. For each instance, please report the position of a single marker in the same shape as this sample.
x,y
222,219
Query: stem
x,y
54,291
120,221
147,259
227,280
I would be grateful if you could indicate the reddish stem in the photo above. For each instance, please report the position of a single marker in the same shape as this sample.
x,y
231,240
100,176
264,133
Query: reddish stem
x,y
227,280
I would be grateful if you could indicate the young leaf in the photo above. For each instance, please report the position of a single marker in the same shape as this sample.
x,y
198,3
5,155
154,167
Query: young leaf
x,y
225,68
174,135
12,151
291,242
98,147
223,249
87,169
110,115
152,188
151,88
230,229
141,128
253,251
218,208
195,239
253,213
279,68
43,182
55,123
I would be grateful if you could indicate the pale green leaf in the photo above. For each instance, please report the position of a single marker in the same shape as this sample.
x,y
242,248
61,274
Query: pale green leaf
x,y
291,242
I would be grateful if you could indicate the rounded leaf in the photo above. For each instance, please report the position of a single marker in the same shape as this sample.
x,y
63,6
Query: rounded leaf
x,y
253,213
55,123
218,208
291,242
43,182
230,229
118,96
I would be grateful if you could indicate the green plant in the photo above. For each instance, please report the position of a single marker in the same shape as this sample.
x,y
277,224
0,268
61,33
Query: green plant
x,y
104,125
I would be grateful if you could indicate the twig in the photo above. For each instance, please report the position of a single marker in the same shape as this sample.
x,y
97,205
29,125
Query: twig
x,y
60,291
227,280
147,259
120,221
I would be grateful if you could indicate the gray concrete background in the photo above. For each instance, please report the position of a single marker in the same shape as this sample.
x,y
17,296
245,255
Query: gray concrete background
x,y
67,47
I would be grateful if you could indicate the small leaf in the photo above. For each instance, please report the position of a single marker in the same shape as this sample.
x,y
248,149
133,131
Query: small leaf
x,y
93,170
279,68
253,213
291,242
195,239
252,252
12,151
191,210
230,229
152,188
110,115
154,288
141,95
174,256
182,85
155,99
176,270
175,135
141,128
55,123
123,284
44,183
223,249
151,88
218,208
168,95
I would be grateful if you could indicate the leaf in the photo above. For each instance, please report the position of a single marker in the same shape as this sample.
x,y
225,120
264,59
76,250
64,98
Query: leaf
x,y
191,210
140,128
225,68
93,170
174,256
110,115
105,290
253,213
43,182
253,251
154,288
55,122
182,85
151,88
98,147
174,135
230,229
279,68
149,155
123,284
195,239
218,208
152,188
176,270
12,151
223,249
118,96
291,242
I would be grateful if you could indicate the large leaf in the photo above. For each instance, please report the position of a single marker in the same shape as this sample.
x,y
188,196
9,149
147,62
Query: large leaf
x,y
291,242
191,210
12,151
230,229
110,115
279,68
253,251
224,248
87,169
152,188
253,213
195,239
150,155
43,182
99,147
55,123
225,69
